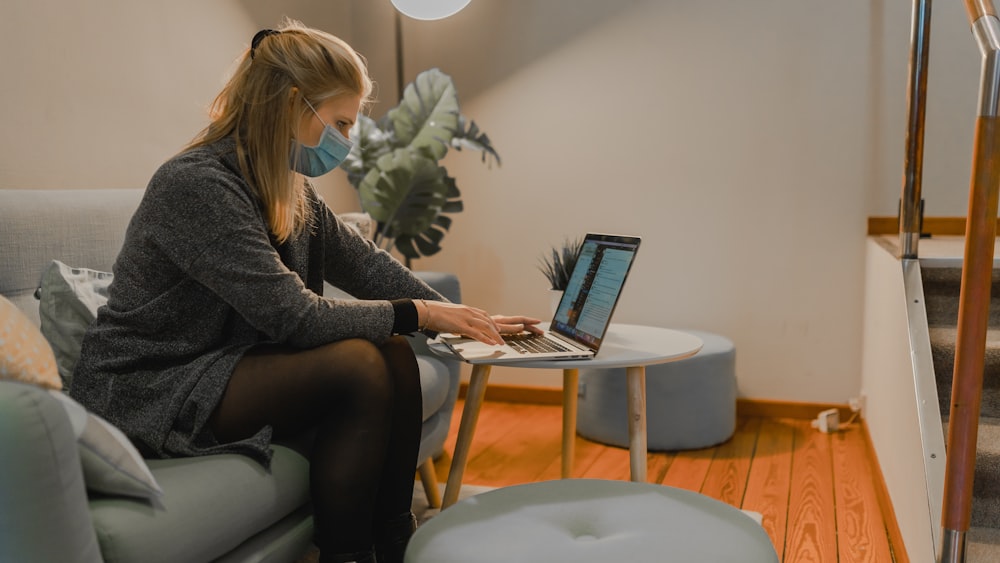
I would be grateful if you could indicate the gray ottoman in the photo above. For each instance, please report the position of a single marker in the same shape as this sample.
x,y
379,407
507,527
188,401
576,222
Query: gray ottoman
x,y
690,403
590,520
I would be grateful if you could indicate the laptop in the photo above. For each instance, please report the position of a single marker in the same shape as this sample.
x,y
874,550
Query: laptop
x,y
582,317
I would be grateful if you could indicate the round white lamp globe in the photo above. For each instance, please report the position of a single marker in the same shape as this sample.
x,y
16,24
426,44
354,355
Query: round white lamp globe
x,y
429,9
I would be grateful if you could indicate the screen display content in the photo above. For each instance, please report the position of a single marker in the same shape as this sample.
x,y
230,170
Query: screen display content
x,y
593,289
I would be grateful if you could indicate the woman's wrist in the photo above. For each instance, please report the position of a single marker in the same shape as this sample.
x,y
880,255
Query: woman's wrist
x,y
427,316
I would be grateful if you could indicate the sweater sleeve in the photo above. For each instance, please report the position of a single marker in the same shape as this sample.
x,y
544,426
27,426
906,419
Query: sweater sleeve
x,y
210,226
405,316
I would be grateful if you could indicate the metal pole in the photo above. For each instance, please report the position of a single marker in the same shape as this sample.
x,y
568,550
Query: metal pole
x,y
909,209
399,55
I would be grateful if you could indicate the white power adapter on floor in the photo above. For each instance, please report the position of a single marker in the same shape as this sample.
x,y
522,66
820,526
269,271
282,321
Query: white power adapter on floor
x,y
827,421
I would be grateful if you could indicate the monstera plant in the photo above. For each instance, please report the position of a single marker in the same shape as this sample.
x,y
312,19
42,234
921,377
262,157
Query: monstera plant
x,y
395,165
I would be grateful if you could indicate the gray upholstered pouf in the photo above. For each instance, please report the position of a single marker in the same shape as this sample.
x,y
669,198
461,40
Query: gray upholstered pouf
x,y
690,403
590,520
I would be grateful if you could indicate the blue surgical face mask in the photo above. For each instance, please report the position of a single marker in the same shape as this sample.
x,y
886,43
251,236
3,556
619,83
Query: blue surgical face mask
x,y
332,149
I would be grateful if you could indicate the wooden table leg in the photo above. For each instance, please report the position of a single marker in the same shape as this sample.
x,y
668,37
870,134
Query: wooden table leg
x,y
571,378
428,478
470,415
636,381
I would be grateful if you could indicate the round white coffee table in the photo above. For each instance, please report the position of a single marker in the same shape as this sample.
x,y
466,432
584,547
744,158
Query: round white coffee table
x,y
625,346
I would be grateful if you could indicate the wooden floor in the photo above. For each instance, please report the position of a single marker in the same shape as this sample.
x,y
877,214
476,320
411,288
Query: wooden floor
x,y
817,492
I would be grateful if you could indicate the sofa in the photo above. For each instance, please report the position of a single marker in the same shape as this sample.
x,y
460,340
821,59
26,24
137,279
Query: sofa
x,y
213,508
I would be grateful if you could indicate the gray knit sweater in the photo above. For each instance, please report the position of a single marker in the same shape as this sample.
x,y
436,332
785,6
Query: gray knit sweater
x,y
199,281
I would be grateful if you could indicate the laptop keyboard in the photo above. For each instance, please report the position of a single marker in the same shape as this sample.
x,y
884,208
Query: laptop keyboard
x,y
528,343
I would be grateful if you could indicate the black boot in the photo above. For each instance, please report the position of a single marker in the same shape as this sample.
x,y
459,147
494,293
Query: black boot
x,y
391,539
357,557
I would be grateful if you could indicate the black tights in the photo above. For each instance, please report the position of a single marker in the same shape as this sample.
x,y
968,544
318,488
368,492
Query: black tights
x,y
364,402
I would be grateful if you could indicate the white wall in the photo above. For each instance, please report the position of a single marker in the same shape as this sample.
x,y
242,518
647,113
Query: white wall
x,y
746,142
97,94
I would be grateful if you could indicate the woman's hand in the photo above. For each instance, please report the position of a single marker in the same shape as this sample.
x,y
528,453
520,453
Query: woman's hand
x,y
472,322
516,324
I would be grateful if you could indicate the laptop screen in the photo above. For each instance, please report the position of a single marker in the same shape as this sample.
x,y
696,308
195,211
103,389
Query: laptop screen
x,y
594,287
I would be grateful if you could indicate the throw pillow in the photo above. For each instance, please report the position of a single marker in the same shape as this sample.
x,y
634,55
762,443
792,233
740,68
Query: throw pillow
x,y
68,302
111,464
25,356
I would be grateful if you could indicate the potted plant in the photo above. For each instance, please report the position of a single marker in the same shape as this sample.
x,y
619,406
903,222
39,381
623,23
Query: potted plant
x,y
395,167
558,267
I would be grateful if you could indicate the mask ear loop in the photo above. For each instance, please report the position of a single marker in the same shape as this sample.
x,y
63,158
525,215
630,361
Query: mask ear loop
x,y
316,113
258,37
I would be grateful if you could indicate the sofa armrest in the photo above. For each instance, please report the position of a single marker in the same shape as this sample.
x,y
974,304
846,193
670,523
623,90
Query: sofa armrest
x,y
444,283
45,515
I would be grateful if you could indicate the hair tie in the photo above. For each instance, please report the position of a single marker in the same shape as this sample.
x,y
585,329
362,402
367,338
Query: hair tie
x,y
258,37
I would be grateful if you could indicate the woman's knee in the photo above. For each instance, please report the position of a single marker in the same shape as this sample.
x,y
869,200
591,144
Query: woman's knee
x,y
360,370
399,354
398,349
352,368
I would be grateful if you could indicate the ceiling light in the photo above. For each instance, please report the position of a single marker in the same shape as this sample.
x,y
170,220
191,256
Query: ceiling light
x,y
429,9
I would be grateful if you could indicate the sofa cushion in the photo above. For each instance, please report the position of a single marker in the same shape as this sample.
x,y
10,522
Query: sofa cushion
x,y
110,462
210,505
68,301
25,356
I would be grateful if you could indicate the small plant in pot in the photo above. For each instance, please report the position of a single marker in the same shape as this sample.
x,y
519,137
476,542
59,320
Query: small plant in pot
x,y
558,267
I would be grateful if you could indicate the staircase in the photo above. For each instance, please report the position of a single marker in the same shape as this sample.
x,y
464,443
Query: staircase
x,y
941,298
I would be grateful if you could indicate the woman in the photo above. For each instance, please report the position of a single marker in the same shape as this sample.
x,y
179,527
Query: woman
x,y
216,336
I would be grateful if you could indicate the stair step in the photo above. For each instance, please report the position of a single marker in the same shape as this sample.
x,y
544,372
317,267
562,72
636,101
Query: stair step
x,y
983,545
943,351
942,287
986,488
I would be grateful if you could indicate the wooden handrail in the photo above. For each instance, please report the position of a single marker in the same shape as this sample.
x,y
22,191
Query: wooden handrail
x,y
974,297
973,318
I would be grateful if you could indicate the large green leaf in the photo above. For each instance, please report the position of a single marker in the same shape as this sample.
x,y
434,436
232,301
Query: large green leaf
x,y
406,191
427,116
425,243
370,143
472,138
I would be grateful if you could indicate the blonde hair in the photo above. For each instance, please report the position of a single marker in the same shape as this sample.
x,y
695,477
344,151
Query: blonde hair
x,y
262,104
